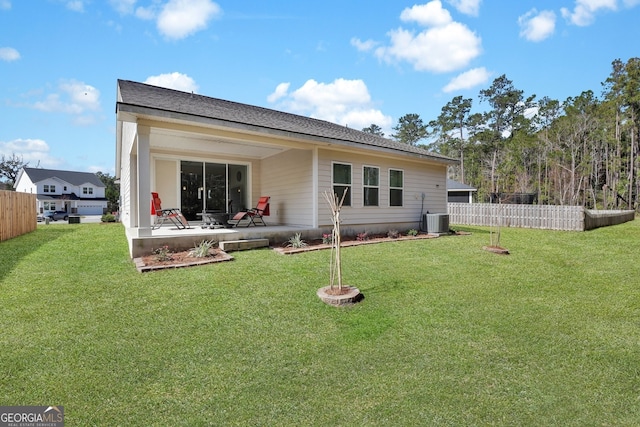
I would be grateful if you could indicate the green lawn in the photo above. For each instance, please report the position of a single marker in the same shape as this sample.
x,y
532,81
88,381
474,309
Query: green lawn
x,y
447,335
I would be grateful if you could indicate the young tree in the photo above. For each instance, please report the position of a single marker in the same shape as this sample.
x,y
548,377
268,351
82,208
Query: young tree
x,y
335,265
374,129
410,129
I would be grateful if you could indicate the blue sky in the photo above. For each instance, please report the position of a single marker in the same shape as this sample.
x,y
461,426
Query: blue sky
x,y
350,62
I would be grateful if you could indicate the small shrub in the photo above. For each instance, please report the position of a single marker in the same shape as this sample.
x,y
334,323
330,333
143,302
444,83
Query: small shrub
x,y
108,218
412,232
202,249
361,237
393,234
296,242
163,253
327,238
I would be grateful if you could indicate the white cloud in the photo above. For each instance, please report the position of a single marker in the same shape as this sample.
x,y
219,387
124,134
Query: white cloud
x,y
583,13
181,18
445,46
428,15
468,79
5,4
345,102
440,49
177,81
175,19
9,54
363,46
468,7
35,152
536,26
279,93
73,97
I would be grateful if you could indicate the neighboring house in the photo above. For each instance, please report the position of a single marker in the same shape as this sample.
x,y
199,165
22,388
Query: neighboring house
x,y
201,153
80,193
459,193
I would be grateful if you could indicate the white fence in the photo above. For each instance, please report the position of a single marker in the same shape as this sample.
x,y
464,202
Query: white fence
x,y
571,218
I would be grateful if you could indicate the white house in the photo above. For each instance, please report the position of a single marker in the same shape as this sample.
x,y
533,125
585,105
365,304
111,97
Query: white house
x,y
206,154
79,193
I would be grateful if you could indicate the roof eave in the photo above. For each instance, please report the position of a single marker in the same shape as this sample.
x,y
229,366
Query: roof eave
x,y
131,113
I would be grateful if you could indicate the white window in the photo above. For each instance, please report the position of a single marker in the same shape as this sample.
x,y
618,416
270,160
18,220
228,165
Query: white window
x,y
87,190
371,185
49,206
396,187
341,177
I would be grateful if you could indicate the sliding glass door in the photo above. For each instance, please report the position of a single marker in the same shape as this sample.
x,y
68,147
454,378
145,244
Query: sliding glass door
x,y
212,187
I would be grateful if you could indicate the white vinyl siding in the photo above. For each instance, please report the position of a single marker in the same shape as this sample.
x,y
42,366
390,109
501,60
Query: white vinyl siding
x,y
287,178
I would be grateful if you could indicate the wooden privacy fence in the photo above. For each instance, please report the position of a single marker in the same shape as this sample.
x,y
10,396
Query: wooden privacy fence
x,y
17,214
571,218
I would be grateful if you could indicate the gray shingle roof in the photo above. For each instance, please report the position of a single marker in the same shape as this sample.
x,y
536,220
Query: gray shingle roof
x,y
174,101
73,178
455,185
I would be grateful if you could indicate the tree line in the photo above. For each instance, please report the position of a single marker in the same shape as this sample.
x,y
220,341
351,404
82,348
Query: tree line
x,y
579,151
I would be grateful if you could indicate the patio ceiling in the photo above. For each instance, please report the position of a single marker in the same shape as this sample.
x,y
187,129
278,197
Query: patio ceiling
x,y
167,139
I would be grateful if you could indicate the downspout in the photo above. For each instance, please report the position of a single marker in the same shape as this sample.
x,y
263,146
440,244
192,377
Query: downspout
x,y
421,213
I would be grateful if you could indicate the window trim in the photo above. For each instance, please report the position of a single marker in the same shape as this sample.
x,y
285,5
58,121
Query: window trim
x,y
396,188
365,186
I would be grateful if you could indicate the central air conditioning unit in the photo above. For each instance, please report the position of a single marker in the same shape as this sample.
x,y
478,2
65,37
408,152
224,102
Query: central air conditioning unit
x,y
435,223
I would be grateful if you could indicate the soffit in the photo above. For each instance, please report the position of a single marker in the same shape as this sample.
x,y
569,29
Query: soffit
x,y
168,139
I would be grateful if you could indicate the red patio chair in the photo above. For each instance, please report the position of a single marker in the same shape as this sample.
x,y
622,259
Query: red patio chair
x,y
252,216
172,215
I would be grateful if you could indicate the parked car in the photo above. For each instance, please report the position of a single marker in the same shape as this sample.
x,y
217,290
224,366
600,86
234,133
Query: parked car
x,y
40,217
57,215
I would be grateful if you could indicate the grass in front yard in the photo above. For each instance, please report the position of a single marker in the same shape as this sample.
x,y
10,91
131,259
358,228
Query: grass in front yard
x,y
448,334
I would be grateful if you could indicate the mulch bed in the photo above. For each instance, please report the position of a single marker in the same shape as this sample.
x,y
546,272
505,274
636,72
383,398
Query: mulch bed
x,y
316,245
182,259
179,260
